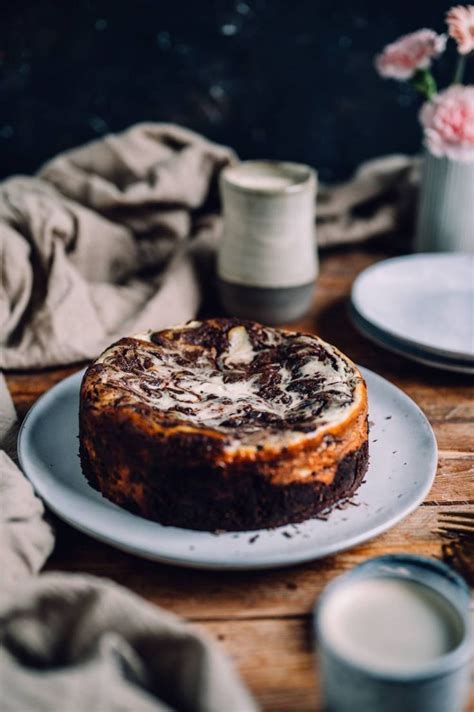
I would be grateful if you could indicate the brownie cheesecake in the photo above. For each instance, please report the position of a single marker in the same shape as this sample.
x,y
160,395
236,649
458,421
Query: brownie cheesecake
x,y
224,425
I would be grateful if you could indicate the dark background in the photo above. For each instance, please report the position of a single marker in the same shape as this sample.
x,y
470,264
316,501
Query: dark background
x,y
273,78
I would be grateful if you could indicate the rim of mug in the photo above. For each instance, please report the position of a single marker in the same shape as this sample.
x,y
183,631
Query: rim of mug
x,y
441,665
308,176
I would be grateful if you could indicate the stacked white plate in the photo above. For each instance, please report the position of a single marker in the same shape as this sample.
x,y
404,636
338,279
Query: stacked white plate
x,y
420,306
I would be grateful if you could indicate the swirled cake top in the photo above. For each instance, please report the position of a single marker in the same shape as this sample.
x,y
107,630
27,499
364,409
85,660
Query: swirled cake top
x,y
254,384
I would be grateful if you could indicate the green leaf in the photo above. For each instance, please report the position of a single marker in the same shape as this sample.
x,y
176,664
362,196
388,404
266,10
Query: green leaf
x,y
424,82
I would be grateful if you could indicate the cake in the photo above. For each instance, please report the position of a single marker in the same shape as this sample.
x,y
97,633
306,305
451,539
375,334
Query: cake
x,y
224,425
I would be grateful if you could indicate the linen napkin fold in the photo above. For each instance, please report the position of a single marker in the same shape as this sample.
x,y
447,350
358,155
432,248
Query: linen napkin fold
x,y
105,241
380,198
76,643
26,540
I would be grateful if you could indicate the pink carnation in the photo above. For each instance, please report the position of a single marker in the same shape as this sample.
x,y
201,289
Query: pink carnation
x,y
448,122
401,59
460,21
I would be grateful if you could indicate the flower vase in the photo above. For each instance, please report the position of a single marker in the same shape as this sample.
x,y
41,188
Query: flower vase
x,y
446,206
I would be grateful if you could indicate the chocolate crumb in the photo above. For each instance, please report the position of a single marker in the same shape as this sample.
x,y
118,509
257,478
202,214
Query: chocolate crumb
x,y
287,534
388,417
253,538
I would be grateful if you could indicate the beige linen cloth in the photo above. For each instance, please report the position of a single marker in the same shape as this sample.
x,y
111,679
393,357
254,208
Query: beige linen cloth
x,y
105,241
76,643
379,199
115,237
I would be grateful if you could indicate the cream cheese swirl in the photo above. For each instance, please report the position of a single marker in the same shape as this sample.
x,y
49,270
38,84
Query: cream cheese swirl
x,y
251,383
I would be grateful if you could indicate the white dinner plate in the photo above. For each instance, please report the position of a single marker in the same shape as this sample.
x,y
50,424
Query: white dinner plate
x,y
403,458
424,300
414,353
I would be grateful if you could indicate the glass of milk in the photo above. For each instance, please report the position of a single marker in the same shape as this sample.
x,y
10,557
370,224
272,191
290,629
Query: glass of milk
x,y
394,636
267,259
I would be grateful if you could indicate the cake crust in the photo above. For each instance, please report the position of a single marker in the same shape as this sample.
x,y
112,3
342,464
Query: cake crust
x,y
224,425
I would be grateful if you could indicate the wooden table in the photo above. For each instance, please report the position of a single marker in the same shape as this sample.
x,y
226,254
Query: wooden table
x,y
263,619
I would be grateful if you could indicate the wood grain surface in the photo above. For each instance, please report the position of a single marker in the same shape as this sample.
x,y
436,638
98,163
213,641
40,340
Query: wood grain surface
x,y
263,619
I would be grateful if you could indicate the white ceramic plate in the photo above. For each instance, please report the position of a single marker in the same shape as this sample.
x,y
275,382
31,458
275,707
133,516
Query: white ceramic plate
x,y
425,300
414,353
403,458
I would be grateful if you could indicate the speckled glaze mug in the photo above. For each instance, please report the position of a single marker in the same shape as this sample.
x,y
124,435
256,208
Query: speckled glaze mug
x,y
267,260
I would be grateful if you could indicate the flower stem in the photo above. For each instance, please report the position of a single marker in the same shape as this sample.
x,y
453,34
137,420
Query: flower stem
x,y
424,82
460,67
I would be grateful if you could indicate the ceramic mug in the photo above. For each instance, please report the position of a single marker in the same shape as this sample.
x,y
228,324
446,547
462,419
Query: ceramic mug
x,y
267,259
352,682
